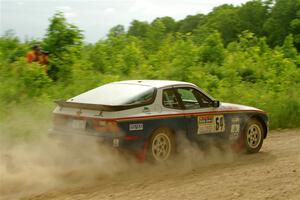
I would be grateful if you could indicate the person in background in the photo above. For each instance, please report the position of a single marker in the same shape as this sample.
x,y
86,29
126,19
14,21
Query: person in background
x,y
43,57
34,54
38,55
44,60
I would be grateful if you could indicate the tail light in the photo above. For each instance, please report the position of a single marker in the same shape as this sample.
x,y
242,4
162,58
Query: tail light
x,y
106,126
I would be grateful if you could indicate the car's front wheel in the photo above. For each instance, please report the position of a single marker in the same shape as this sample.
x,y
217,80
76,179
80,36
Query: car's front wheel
x,y
253,136
161,145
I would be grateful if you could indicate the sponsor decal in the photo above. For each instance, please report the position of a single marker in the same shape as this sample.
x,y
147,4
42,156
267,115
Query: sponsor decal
x,y
235,120
235,128
211,124
136,127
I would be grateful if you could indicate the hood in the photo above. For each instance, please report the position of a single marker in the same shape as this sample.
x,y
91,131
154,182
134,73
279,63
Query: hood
x,y
231,106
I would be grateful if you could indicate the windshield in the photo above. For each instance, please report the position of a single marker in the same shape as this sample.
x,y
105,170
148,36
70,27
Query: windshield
x,y
115,94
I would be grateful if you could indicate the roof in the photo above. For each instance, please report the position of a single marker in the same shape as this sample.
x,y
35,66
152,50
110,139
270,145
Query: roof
x,y
154,83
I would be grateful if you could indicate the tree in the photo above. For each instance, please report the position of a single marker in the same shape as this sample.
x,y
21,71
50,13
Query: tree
x,y
190,23
116,31
63,41
278,25
252,16
155,35
288,47
224,19
138,29
295,27
10,47
169,23
212,49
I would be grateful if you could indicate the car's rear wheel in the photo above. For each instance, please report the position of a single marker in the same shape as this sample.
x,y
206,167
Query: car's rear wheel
x,y
161,145
253,136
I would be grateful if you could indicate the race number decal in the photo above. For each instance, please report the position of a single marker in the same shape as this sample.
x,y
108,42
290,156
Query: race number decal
x,y
211,124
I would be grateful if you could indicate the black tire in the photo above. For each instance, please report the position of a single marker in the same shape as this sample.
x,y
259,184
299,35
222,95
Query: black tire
x,y
161,145
253,136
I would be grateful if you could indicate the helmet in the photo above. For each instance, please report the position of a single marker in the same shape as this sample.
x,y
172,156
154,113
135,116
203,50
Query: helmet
x,y
36,47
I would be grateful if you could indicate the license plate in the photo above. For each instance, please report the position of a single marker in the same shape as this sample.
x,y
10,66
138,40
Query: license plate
x,y
78,124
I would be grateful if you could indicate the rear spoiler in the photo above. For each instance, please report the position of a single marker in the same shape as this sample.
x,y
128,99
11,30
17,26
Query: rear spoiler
x,y
63,103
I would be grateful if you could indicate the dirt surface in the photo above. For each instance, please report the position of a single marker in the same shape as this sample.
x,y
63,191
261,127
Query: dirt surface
x,y
273,173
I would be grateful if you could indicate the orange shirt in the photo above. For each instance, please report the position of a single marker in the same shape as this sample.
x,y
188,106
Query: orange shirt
x,y
31,56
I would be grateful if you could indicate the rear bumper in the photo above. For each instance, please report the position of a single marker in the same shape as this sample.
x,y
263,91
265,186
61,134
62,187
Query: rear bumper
x,y
111,139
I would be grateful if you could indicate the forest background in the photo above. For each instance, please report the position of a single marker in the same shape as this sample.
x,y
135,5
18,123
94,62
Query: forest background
x,y
247,54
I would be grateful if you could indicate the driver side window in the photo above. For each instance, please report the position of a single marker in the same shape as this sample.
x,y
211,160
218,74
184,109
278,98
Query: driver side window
x,y
193,99
188,99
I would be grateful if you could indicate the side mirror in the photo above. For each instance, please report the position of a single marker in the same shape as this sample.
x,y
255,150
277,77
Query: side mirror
x,y
216,103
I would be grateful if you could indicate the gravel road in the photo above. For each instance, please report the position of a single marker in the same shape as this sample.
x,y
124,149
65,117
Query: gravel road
x,y
273,173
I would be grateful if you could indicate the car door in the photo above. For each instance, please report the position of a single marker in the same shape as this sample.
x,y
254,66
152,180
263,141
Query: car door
x,y
172,111
203,120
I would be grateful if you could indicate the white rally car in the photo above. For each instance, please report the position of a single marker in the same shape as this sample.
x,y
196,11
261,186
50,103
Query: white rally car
x,y
145,116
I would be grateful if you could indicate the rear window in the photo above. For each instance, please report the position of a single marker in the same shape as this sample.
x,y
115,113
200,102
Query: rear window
x,y
115,94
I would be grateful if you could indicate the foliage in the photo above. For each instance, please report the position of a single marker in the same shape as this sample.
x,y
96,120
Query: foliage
x,y
63,41
11,48
190,23
234,53
283,21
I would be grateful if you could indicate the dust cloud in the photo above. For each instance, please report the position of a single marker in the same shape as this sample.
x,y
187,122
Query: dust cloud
x,y
37,163
45,164
31,162
191,155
